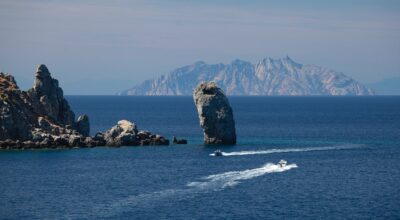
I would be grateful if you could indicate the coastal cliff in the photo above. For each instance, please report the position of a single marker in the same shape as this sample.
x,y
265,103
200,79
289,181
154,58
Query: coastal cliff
x,y
42,118
40,114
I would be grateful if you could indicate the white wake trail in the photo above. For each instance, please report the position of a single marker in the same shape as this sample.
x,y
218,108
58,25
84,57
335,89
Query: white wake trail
x,y
232,178
287,150
215,182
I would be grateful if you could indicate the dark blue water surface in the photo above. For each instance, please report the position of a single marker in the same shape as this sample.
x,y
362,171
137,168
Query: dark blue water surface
x,y
347,152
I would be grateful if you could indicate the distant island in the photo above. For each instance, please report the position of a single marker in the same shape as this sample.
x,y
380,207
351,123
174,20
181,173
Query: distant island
x,y
268,77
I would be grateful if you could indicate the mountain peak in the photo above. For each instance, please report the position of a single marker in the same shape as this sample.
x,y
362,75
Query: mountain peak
x,y
238,61
200,62
270,76
287,58
42,71
281,61
287,61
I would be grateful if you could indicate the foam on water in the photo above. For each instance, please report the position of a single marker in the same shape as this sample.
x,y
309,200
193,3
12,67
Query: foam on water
x,y
232,178
287,150
215,182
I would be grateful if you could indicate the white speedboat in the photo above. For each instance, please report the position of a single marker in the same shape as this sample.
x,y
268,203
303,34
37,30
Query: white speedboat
x,y
218,153
282,163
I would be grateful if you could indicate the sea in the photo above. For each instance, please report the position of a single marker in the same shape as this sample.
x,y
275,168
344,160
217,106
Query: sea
x,y
342,153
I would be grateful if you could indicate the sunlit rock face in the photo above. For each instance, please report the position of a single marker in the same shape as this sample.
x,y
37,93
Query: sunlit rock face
x,y
48,98
16,116
40,117
126,133
215,114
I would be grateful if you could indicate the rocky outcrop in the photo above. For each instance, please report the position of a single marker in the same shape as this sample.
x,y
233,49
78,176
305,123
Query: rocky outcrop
x,y
178,141
268,77
83,125
42,118
125,133
215,114
48,98
17,117
25,122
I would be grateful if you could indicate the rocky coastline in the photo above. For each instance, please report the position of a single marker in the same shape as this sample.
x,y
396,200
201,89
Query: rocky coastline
x,y
42,118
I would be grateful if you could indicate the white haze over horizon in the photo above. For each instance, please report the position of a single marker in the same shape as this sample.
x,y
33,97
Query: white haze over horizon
x,y
99,47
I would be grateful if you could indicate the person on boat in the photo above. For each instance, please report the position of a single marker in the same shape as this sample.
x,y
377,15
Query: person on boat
x,y
218,153
282,163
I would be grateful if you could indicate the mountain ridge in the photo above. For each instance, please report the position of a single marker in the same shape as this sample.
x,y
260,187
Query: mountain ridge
x,y
268,77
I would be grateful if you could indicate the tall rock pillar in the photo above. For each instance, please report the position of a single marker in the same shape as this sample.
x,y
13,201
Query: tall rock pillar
x,y
215,114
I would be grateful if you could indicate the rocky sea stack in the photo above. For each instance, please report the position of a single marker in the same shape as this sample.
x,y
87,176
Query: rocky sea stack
x,y
42,118
215,114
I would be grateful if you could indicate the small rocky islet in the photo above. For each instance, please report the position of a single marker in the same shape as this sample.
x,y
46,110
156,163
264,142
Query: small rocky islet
x,y
215,114
42,118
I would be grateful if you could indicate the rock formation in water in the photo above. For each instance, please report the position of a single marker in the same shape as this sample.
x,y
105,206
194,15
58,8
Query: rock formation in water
x,y
268,77
125,133
179,141
39,118
215,114
42,118
83,125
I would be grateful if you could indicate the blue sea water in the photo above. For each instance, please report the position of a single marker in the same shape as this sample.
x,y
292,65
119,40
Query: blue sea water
x,y
343,155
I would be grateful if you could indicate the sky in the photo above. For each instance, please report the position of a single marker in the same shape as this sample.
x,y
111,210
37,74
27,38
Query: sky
x,y
102,47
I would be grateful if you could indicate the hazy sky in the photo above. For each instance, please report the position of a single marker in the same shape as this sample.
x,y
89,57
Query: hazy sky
x,y
102,47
